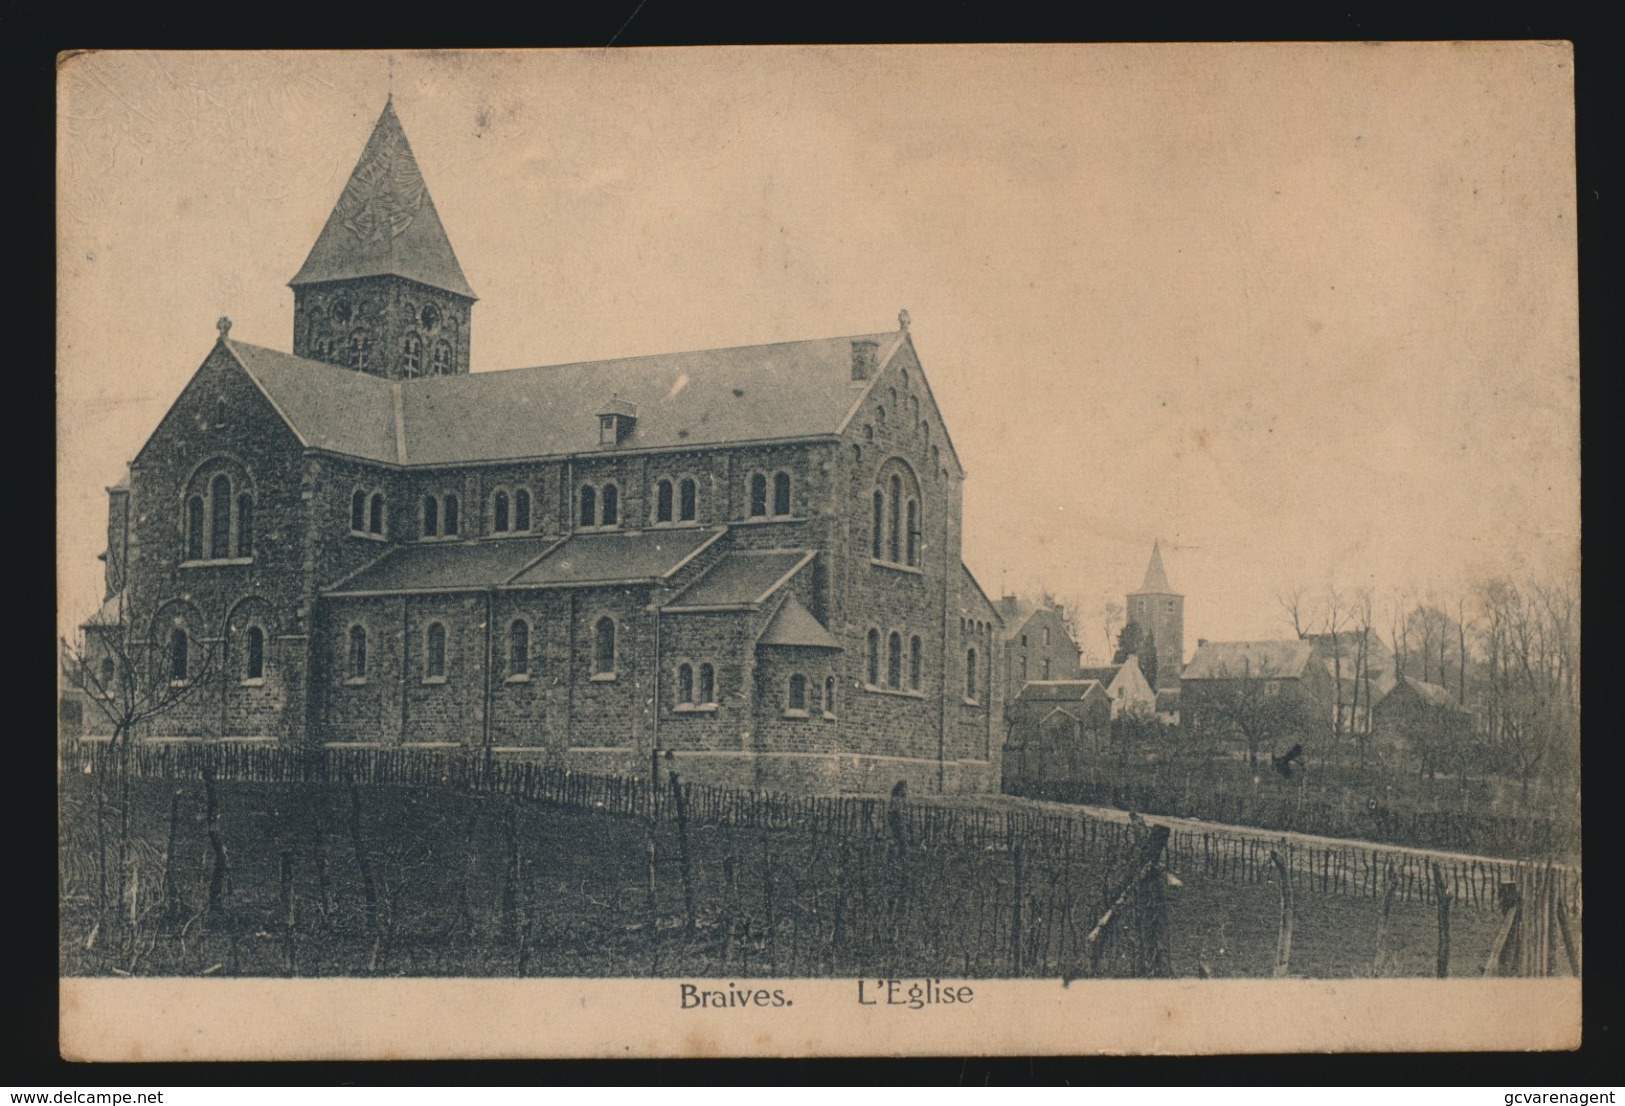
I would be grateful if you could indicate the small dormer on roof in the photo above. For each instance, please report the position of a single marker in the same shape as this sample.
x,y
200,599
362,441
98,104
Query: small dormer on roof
x,y
616,421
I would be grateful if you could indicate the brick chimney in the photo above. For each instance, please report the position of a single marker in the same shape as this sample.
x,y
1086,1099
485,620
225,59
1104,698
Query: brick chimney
x,y
865,358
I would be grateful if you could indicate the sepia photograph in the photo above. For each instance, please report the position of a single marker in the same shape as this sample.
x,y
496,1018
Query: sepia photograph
x,y
802,551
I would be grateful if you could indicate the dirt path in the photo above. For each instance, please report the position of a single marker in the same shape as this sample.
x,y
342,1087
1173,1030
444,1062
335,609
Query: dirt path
x,y
1197,825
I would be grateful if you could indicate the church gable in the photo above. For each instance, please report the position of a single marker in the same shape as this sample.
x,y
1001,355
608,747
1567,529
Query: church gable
x,y
219,410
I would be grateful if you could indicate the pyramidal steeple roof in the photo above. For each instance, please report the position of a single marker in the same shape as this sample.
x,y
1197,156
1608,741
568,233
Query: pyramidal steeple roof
x,y
1156,580
384,223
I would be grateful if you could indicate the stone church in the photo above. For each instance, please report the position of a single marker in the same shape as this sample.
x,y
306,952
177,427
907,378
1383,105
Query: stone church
x,y
747,558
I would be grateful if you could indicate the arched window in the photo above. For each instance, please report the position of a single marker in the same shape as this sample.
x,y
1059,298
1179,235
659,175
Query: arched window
x,y
1046,668
194,528
375,516
245,525
708,684
902,374
521,509
609,512
894,543
589,505
781,494
179,647
108,672
255,667
688,501
431,515
915,663
449,513
877,547
970,674
441,366
412,355
360,349
874,658
829,696
868,432
914,533
358,511
798,693
685,684
220,517
519,648
603,647
1046,637
880,417
758,495
358,653
663,501
499,512
894,661
434,653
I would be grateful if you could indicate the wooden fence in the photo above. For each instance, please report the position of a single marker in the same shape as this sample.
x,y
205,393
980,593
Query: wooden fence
x,y
1350,868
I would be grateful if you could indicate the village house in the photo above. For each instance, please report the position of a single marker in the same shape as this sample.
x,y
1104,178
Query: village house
x,y
1037,643
1125,686
1057,728
748,558
1256,692
1421,720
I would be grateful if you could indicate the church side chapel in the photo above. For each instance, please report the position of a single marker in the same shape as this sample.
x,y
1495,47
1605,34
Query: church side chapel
x,y
747,558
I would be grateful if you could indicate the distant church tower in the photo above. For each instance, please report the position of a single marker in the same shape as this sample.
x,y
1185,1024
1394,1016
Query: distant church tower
x,y
381,291
1161,612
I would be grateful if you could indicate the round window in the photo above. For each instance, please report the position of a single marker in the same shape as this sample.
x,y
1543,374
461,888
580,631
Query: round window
x,y
431,317
342,309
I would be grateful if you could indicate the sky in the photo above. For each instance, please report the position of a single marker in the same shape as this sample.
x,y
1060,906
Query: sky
x,y
1306,314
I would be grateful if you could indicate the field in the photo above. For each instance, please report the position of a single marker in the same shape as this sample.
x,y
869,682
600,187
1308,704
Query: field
x,y
332,879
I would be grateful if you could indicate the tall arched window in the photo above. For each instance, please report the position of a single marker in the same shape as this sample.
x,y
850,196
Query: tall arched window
x,y
360,349
220,517
358,511
781,494
685,684
688,501
874,658
254,669
441,365
603,647
431,515
375,516
877,548
916,656
913,537
245,525
358,653
758,495
797,700
610,506
829,696
108,672
179,660
434,652
880,417
708,684
970,674
663,501
499,512
412,355
521,509
194,528
519,648
894,543
589,505
894,661
449,514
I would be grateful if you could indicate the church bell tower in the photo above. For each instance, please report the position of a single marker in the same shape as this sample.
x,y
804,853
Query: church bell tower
x,y
1160,611
381,291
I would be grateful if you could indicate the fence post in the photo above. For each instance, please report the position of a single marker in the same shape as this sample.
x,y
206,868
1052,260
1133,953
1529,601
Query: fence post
x,y
1443,896
680,806
1283,940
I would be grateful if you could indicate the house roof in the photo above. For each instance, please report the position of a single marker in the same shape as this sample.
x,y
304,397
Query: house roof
x,y
616,558
1156,579
1104,674
1014,611
1432,694
1236,660
1058,690
385,222
683,400
445,566
794,624
742,579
